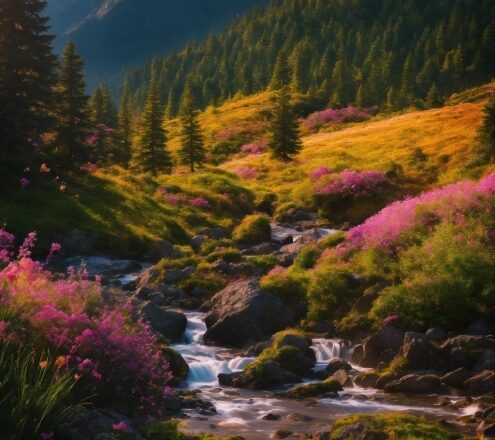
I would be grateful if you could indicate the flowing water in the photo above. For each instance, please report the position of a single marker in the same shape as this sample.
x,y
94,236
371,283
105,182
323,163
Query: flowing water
x,y
241,412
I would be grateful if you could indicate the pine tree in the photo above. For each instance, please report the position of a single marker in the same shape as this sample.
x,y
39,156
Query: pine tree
x,y
192,150
281,73
487,131
27,76
391,102
433,98
285,141
150,154
123,154
73,119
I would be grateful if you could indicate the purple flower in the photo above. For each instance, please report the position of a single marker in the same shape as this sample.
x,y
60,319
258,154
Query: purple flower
x,y
121,427
24,182
55,247
391,319
200,202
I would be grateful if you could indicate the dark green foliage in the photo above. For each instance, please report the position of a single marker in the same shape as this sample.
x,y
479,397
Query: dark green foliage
x,y
150,154
254,229
433,98
71,149
34,398
284,141
289,285
26,79
123,153
103,116
361,52
192,150
307,258
487,131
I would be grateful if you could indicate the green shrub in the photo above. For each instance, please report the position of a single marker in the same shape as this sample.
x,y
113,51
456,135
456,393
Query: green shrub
x,y
231,255
34,395
392,427
289,285
328,290
448,281
266,262
211,282
307,258
210,246
253,229
333,240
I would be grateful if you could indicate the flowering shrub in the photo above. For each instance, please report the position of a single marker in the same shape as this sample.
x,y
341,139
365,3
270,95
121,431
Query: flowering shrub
x,y
200,202
385,229
246,172
319,172
337,116
89,167
347,183
255,148
107,351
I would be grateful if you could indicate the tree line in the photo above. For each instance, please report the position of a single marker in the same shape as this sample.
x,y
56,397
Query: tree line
x,y
48,121
386,53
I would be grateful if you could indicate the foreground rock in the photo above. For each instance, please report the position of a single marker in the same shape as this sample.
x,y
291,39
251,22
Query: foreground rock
x,y
329,386
169,324
415,383
243,312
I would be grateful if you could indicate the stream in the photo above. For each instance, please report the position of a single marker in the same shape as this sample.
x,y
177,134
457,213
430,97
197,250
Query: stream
x,y
241,412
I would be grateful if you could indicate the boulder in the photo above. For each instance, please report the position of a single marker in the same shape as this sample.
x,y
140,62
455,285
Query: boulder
x,y
482,383
485,362
337,364
198,240
176,275
418,351
263,375
366,379
436,334
171,325
381,346
178,366
260,249
329,386
465,350
457,377
360,431
301,342
243,312
415,383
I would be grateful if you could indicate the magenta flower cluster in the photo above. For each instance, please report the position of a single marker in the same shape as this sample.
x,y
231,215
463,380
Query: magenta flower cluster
x,y
347,182
254,148
337,116
389,227
246,172
98,341
183,199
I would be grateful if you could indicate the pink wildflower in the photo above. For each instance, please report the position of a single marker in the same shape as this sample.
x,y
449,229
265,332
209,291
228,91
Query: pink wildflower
x,y
200,202
121,427
24,182
89,167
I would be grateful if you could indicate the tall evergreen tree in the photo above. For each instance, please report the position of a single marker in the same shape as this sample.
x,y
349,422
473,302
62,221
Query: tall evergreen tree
x,y
123,155
27,76
281,73
73,119
487,131
433,98
285,141
192,150
150,154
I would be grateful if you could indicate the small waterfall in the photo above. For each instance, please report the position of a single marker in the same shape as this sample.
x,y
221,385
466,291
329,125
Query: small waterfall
x,y
205,362
327,349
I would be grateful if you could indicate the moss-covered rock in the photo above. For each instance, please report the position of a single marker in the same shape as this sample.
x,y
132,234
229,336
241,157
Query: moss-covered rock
x,y
389,427
253,229
178,365
170,431
330,385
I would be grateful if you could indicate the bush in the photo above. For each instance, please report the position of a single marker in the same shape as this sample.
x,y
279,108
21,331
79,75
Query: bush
x,y
307,258
266,262
447,281
290,285
333,240
211,283
254,229
328,290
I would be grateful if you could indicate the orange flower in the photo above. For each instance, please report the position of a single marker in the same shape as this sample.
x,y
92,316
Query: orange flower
x,y
43,364
60,361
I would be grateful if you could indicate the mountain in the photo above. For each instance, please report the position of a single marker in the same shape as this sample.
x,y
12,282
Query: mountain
x,y
361,52
115,35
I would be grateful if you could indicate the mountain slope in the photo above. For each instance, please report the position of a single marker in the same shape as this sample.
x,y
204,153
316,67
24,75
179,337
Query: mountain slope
x,y
114,35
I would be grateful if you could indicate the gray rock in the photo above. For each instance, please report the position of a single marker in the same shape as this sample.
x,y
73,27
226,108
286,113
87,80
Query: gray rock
x,y
337,364
415,383
382,346
303,343
464,350
457,377
168,323
418,351
243,312
485,362
198,240
436,334
268,375
260,249
176,275
482,383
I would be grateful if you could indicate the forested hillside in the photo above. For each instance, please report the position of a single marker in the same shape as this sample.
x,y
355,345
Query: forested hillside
x,y
365,52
